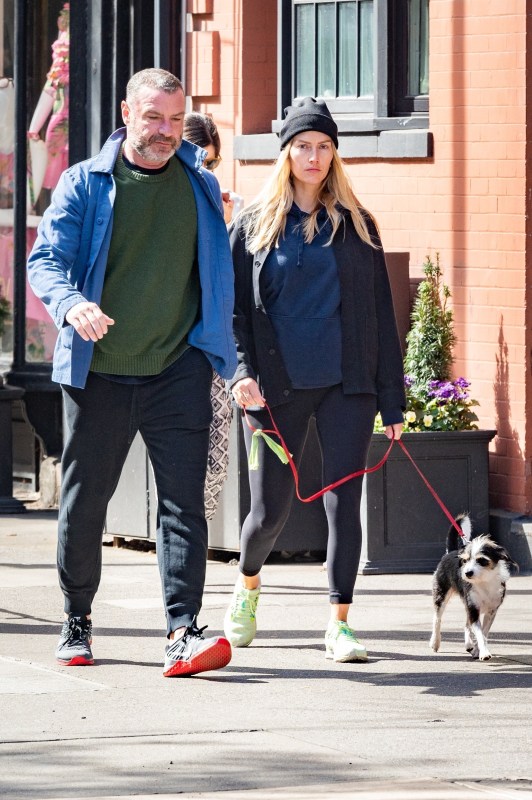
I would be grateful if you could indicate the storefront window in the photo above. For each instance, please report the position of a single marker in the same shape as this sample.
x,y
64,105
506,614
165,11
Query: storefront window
x,y
47,153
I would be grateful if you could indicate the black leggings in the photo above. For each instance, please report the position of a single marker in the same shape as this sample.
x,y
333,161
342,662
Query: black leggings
x,y
344,424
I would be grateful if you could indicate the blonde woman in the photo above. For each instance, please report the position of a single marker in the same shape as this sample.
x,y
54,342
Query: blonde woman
x,y
316,337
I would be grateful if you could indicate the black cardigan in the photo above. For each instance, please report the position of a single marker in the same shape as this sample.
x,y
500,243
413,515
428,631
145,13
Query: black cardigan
x,y
372,361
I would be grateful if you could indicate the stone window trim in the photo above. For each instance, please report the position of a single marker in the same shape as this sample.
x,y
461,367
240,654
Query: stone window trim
x,y
408,138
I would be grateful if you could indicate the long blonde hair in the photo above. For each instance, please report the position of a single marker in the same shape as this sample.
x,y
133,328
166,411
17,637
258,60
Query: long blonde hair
x,y
265,217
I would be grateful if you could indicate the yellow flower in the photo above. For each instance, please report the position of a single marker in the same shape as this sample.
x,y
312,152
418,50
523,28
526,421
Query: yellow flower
x,y
410,416
427,420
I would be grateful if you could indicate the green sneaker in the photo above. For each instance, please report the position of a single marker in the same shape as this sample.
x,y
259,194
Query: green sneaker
x,y
341,644
240,625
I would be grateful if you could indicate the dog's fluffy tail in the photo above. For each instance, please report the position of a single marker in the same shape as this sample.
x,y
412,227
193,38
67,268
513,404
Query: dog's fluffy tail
x,y
456,542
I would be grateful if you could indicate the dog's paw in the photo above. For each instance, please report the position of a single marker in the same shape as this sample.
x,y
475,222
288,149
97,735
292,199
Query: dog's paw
x,y
473,652
485,656
435,643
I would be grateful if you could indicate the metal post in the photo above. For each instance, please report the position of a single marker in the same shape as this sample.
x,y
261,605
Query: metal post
x,y
79,66
19,214
157,33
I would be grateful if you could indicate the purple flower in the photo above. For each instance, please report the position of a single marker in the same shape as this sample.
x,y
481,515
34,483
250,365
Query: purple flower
x,y
448,391
443,390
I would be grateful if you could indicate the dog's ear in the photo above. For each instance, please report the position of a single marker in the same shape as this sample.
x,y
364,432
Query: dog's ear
x,y
498,553
513,566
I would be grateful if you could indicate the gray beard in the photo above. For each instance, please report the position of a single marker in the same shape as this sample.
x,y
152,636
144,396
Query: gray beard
x,y
145,151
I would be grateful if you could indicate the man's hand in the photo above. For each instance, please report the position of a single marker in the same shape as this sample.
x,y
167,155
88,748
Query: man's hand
x,y
89,321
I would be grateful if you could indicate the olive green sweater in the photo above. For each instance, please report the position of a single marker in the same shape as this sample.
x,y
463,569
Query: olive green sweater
x,y
151,287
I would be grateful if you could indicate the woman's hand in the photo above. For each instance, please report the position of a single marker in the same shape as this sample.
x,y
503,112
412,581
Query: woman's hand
x,y
247,393
394,431
228,206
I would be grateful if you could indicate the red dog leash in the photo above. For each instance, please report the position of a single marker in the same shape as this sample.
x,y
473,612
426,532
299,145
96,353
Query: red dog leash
x,y
440,502
265,433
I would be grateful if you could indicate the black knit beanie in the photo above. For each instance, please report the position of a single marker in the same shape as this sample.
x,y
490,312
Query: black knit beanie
x,y
308,114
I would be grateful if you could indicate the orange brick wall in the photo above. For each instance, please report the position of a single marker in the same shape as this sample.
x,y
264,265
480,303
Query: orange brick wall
x,y
468,202
247,99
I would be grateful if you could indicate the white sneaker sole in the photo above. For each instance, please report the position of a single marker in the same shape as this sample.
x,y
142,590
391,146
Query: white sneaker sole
x,y
348,657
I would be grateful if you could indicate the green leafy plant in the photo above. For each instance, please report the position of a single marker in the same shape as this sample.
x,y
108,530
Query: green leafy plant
x,y
435,402
431,338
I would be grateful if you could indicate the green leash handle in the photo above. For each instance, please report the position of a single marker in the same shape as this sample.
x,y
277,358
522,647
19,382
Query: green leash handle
x,y
253,460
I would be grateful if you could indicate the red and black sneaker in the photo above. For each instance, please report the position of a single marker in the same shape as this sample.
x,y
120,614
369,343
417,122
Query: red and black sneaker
x,y
74,648
194,653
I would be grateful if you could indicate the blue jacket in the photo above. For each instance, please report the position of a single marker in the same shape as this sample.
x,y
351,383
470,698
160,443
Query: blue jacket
x,y
68,261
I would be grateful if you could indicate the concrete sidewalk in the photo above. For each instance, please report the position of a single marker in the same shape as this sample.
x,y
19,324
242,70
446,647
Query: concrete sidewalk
x,y
280,721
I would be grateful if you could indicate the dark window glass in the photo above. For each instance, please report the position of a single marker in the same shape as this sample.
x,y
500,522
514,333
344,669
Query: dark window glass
x,y
304,53
347,56
326,49
334,53
365,45
418,50
369,57
409,66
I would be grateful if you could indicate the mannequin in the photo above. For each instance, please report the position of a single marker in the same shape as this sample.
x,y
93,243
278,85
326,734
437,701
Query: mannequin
x,y
54,101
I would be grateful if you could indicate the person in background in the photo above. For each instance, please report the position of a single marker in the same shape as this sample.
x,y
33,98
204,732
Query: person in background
x,y
201,130
132,261
316,337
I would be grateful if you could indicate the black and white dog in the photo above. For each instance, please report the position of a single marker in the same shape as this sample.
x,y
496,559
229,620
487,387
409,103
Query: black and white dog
x,y
476,569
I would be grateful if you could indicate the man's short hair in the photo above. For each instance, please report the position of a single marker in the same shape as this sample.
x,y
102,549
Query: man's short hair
x,y
154,78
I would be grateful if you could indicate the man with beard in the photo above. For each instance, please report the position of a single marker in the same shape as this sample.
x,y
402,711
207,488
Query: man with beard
x,y
132,262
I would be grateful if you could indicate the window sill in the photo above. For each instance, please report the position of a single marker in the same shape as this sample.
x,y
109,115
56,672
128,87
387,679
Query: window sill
x,y
386,138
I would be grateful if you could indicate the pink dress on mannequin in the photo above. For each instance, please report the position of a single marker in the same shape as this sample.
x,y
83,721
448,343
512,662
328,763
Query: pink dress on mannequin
x,y
54,100
57,131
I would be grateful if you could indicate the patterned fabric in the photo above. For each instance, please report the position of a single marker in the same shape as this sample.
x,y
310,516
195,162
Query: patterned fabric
x,y
222,413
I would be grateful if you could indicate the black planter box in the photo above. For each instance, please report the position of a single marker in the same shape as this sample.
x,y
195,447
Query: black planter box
x,y
404,528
